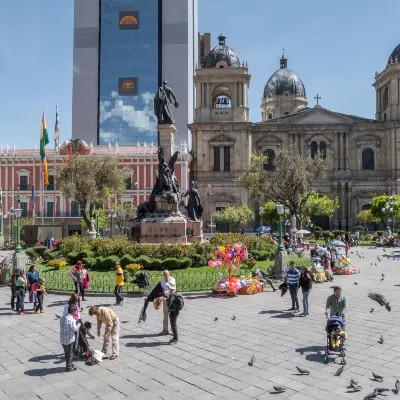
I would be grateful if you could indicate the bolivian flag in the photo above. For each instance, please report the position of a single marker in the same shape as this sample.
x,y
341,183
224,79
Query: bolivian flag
x,y
44,139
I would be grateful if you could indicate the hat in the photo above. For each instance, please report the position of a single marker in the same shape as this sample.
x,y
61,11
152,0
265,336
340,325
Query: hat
x,y
117,263
79,262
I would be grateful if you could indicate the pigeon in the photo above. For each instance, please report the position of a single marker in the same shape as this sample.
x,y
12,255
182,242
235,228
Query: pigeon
x,y
233,317
382,279
354,384
381,340
339,371
397,386
387,305
58,316
383,275
303,371
372,395
379,298
251,362
381,390
356,283
279,389
377,377
216,319
371,264
372,310
376,264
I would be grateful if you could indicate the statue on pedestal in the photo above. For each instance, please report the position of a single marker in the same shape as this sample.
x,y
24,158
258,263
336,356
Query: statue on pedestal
x,y
163,101
194,206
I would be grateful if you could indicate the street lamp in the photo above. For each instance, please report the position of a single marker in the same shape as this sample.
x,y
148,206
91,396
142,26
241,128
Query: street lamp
x,y
261,217
279,210
389,208
18,213
211,213
97,212
11,214
1,224
111,214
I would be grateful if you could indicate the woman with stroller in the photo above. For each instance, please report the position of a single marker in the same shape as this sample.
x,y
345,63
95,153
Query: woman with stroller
x,y
305,283
336,305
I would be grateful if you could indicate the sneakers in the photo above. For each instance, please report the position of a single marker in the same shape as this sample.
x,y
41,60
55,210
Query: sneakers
x,y
173,341
113,357
106,356
164,332
71,368
37,312
122,302
303,314
291,309
296,310
41,311
117,304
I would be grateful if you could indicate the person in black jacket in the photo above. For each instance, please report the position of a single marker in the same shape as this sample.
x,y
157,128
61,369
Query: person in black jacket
x,y
305,283
173,305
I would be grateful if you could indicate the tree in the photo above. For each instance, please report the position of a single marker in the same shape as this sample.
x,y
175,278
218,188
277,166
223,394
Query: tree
x,y
103,221
380,202
289,183
124,213
270,215
320,205
234,216
365,217
91,180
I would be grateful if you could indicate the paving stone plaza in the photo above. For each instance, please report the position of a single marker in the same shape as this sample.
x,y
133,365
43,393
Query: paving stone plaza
x,y
211,358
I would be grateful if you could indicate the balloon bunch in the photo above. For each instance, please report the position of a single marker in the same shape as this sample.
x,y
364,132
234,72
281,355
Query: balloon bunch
x,y
229,257
343,266
233,284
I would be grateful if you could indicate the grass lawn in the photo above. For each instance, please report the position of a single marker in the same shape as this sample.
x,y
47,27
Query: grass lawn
x,y
188,280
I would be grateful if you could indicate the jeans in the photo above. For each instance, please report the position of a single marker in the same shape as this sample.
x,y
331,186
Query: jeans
x,y
117,293
12,299
305,300
293,295
40,299
68,351
173,316
20,298
79,289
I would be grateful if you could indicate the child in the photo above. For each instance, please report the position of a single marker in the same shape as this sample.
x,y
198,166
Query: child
x,y
336,337
40,292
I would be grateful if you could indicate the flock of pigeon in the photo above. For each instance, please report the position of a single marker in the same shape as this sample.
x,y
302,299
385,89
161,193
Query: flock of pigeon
x,y
381,300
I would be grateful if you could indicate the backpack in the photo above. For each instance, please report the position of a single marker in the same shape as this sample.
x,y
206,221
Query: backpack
x,y
142,280
126,277
180,300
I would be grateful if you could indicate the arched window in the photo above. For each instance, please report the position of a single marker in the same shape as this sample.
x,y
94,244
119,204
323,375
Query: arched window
x,y
314,149
366,207
222,101
270,116
271,156
322,149
385,98
368,160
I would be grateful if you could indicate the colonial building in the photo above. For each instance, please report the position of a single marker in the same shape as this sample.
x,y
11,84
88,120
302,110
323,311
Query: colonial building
x,y
20,171
361,154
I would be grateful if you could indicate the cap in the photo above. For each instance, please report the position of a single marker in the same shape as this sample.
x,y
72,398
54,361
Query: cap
x,y
79,262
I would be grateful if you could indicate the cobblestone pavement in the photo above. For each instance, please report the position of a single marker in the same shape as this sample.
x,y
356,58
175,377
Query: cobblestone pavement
x,y
211,359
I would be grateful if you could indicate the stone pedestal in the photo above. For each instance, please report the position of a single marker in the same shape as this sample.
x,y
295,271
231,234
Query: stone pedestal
x,y
166,135
281,262
20,260
92,234
1,241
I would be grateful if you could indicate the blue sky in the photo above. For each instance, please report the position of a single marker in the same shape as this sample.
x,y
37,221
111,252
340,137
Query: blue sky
x,y
334,47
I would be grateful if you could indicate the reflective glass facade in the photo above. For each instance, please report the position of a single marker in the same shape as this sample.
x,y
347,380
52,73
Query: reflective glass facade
x,y
128,71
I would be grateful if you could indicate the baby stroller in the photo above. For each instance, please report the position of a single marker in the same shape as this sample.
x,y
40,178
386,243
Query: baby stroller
x,y
81,347
143,280
332,324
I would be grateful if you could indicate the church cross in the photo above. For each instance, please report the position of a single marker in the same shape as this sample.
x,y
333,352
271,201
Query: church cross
x,y
317,97
283,52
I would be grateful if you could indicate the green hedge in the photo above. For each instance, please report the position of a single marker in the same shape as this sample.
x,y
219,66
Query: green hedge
x,y
126,260
90,262
72,257
40,250
32,253
84,254
177,263
261,255
198,260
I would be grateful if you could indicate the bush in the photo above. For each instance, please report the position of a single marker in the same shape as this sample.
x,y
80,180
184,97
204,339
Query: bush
x,y
177,263
198,260
85,254
57,263
133,268
143,260
127,260
317,232
156,264
263,255
31,253
72,257
40,250
338,233
250,263
53,255
90,262
109,262
379,233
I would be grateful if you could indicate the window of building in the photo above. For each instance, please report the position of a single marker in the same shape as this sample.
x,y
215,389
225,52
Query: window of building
x,y
286,113
269,166
368,159
23,182
384,116
270,116
385,98
366,207
24,208
49,208
314,149
128,183
51,185
217,158
227,158
75,209
322,149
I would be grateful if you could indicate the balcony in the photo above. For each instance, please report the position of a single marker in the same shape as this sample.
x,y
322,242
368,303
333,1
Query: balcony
x,y
24,187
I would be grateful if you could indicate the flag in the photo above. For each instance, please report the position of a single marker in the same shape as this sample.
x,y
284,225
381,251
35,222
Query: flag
x,y
33,197
1,198
44,139
57,132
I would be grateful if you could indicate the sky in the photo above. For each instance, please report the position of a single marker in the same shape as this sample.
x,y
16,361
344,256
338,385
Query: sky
x,y
334,47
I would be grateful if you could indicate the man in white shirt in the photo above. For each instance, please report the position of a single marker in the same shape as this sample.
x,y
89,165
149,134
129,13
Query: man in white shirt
x,y
169,285
68,328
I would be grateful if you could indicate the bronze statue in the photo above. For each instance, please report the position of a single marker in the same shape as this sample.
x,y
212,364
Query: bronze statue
x,y
194,206
163,101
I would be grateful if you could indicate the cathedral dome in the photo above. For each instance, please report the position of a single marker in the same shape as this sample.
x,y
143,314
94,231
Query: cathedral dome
x,y
395,56
284,81
222,56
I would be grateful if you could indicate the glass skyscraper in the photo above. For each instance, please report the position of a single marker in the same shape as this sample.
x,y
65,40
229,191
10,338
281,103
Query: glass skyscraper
x,y
129,55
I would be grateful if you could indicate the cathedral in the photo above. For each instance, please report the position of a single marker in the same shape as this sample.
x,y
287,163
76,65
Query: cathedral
x,y
361,154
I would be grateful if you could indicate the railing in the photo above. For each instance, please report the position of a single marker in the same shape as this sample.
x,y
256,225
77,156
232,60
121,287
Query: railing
x,y
365,174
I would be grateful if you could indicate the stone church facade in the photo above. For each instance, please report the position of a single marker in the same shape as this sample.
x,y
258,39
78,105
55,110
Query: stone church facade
x,y
361,154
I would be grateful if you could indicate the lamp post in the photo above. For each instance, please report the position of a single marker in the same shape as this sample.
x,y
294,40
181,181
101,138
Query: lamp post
x,y
97,223
279,209
211,213
111,215
389,208
261,218
11,214
18,213
1,224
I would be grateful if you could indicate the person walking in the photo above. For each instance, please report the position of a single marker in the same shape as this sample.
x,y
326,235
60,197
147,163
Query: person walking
x,y
13,277
169,286
107,317
40,292
305,283
68,328
20,282
32,277
337,304
173,305
79,274
292,279
119,283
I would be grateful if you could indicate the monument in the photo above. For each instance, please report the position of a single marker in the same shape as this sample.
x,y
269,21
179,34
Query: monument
x,y
159,219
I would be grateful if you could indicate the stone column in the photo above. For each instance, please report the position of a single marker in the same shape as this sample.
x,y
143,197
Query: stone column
x,y
166,135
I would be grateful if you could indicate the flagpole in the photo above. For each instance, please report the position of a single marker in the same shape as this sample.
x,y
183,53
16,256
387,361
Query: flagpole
x,y
42,192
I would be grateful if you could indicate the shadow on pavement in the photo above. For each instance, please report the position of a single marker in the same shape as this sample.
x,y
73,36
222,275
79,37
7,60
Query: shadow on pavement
x,y
147,344
42,359
142,336
44,371
311,349
271,312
